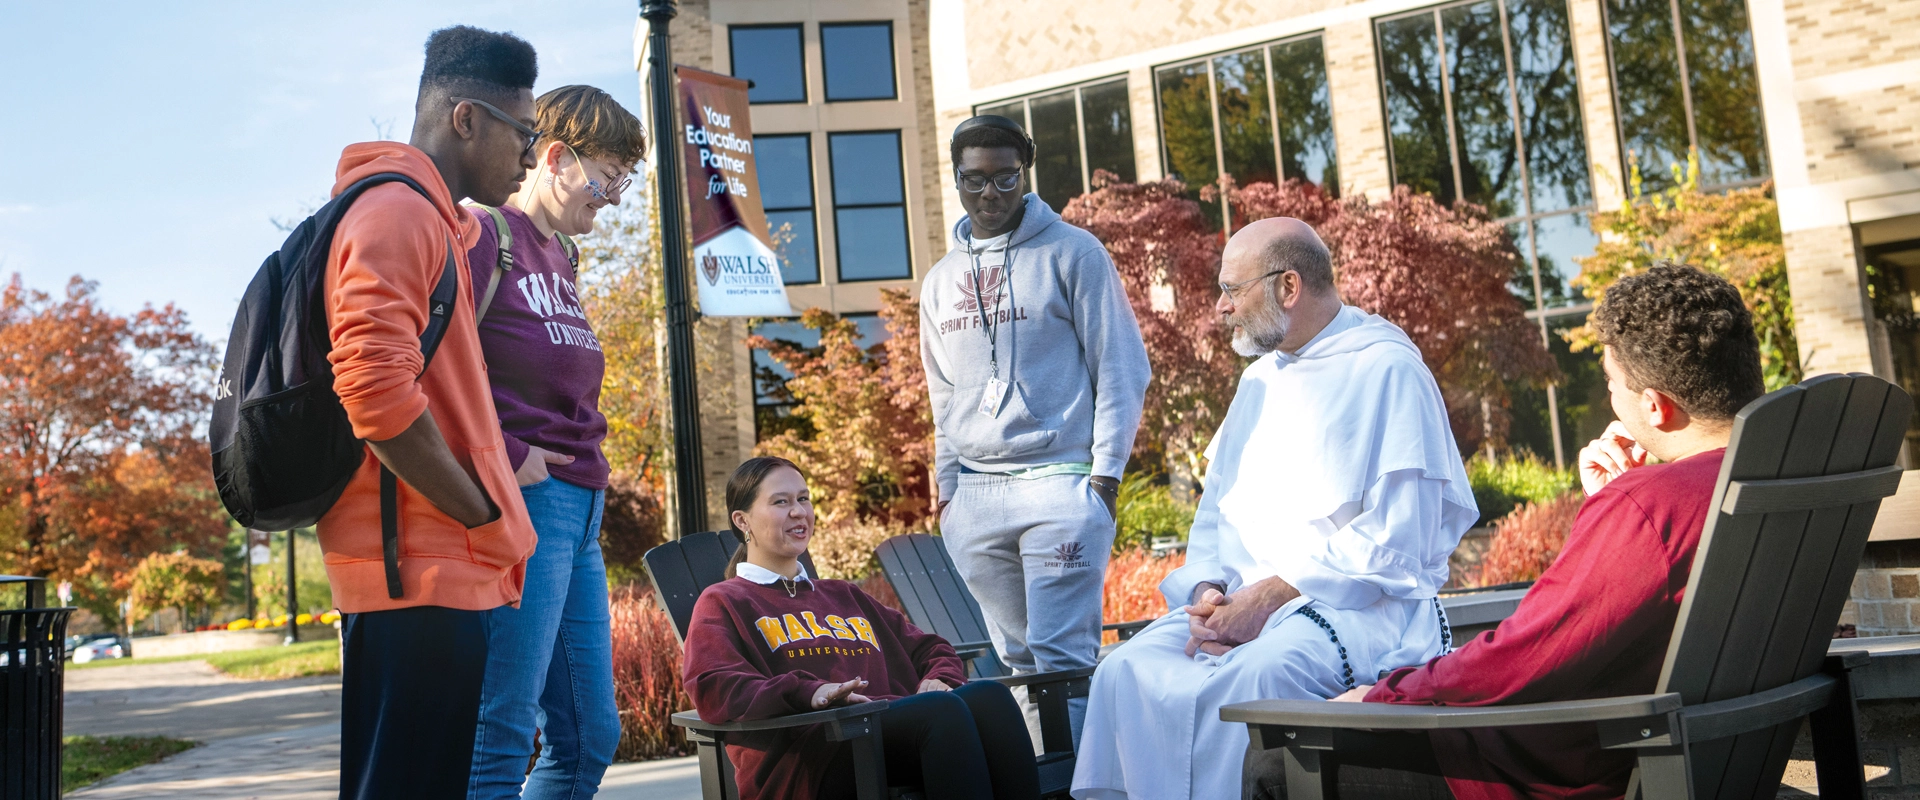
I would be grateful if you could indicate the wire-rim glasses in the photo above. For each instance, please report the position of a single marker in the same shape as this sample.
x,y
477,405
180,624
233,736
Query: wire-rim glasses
x,y
1232,290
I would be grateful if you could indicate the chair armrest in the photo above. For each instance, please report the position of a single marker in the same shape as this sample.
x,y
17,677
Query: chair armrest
x,y
1127,629
968,651
692,721
1046,678
1386,716
1736,715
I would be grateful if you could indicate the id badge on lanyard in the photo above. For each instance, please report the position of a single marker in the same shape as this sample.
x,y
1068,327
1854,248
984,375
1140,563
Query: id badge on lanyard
x,y
995,395
992,399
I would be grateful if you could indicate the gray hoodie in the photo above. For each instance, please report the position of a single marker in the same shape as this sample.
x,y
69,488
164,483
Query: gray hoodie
x,y
1067,345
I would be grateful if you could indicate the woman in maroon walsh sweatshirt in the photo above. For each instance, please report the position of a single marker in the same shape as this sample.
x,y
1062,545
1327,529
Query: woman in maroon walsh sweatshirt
x,y
771,640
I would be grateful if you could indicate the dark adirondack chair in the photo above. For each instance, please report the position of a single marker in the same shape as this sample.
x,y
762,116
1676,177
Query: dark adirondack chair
x,y
1797,495
680,571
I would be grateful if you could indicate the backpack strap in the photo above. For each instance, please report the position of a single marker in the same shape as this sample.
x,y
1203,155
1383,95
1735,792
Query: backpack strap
x,y
439,311
502,264
572,248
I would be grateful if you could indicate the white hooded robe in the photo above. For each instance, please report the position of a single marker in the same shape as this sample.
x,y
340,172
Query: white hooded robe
x,y
1335,470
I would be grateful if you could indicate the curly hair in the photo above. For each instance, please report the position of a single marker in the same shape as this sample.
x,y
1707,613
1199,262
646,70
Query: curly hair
x,y
1686,333
990,139
464,60
592,122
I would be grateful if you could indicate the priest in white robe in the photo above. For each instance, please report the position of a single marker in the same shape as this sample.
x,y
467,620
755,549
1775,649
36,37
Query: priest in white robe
x,y
1333,497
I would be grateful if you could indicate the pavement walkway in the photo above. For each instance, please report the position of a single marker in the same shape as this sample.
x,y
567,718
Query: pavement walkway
x,y
259,739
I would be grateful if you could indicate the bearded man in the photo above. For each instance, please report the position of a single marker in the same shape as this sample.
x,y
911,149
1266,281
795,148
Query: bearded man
x,y
1333,497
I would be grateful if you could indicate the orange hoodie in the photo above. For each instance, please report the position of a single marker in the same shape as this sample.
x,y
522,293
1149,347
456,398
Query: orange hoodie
x,y
388,254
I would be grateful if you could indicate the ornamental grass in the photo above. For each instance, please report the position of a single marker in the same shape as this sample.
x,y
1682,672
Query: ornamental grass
x,y
646,678
1133,587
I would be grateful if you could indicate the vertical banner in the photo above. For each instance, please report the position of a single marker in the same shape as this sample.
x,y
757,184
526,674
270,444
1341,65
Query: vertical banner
x,y
734,263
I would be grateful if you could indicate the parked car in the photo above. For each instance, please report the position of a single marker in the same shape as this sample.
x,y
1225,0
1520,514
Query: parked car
x,y
93,647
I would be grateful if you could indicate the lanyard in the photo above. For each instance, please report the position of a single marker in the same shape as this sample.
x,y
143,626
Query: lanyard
x,y
987,325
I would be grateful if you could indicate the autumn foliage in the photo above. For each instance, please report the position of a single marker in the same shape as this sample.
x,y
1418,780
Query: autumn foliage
x,y
646,679
1527,541
99,462
1133,587
1439,273
869,454
193,586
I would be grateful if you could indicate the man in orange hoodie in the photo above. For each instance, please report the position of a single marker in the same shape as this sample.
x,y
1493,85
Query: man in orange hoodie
x,y
413,665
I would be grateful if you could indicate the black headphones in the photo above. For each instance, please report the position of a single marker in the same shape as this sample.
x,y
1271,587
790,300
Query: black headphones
x,y
1002,123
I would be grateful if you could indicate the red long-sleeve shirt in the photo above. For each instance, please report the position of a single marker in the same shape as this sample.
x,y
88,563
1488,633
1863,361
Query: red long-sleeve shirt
x,y
1595,625
753,653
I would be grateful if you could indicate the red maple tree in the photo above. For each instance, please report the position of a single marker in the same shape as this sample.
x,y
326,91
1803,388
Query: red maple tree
x,y
100,464
1439,273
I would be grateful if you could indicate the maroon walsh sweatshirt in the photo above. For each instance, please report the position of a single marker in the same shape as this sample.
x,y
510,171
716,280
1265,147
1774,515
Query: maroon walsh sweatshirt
x,y
752,652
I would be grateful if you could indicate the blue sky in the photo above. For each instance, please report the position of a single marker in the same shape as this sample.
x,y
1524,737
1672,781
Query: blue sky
x,y
152,144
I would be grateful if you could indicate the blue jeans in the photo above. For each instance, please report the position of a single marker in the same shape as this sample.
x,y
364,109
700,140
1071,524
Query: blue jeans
x,y
550,661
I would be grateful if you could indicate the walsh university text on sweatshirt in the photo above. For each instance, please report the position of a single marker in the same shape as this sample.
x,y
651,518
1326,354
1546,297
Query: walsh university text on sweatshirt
x,y
754,653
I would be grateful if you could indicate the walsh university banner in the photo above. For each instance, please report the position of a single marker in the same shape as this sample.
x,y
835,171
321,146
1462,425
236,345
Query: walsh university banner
x,y
734,263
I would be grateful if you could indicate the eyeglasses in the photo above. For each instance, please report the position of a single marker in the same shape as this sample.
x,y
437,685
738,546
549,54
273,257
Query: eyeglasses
x,y
600,191
975,184
1230,290
531,134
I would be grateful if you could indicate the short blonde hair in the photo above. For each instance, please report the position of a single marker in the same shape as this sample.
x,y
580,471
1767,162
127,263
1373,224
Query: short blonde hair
x,y
591,122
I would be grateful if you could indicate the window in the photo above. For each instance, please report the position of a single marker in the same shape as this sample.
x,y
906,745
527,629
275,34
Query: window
x,y
869,206
1683,77
1263,114
1483,106
770,56
859,61
1076,132
785,165
772,402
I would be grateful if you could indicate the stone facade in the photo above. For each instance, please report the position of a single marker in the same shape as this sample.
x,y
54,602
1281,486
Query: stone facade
x,y
1886,591
1829,303
1359,130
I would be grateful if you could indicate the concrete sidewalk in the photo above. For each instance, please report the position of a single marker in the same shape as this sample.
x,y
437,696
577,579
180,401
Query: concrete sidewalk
x,y
260,739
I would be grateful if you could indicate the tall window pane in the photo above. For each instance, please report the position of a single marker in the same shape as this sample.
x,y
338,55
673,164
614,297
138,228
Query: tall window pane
x,y
1725,92
1186,124
1056,145
1109,129
1647,87
1482,108
1416,111
869,206
1246,121
1549,93
1305,107
785,168
858,60
770,57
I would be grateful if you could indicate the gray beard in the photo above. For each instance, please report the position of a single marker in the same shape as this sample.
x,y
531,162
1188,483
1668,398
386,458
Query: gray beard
x,y
1261,333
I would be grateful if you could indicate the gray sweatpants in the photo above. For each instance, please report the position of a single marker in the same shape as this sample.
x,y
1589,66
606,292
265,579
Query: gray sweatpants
x,y
1034,553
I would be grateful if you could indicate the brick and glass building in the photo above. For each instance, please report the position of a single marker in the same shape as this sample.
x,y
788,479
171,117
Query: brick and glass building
x,y
1533,108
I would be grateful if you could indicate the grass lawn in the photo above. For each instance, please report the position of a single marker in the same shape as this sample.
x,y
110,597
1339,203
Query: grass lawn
x,y
86,759
260,664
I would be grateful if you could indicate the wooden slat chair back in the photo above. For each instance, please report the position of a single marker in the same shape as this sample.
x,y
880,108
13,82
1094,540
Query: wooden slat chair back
x,y
934,597
1797,496
683,568
1798,491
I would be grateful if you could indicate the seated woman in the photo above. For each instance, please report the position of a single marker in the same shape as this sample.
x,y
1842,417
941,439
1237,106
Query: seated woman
x,y
772,641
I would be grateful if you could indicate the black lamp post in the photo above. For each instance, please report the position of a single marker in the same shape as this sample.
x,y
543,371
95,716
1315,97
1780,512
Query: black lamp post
x,y
689,472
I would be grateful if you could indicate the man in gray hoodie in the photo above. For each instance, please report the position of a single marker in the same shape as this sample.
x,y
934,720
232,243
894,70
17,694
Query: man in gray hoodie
x,y
1037,373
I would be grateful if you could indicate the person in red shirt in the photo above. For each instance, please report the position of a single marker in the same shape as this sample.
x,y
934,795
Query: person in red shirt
x,y
1681,360
771,640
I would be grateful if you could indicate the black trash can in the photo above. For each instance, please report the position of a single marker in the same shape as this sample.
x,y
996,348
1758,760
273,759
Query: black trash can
x,y
32,674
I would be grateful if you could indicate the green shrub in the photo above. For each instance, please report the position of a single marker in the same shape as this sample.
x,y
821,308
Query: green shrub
x,y
1504,483
1148,509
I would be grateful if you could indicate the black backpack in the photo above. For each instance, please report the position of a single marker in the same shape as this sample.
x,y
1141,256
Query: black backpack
x,y
283,449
